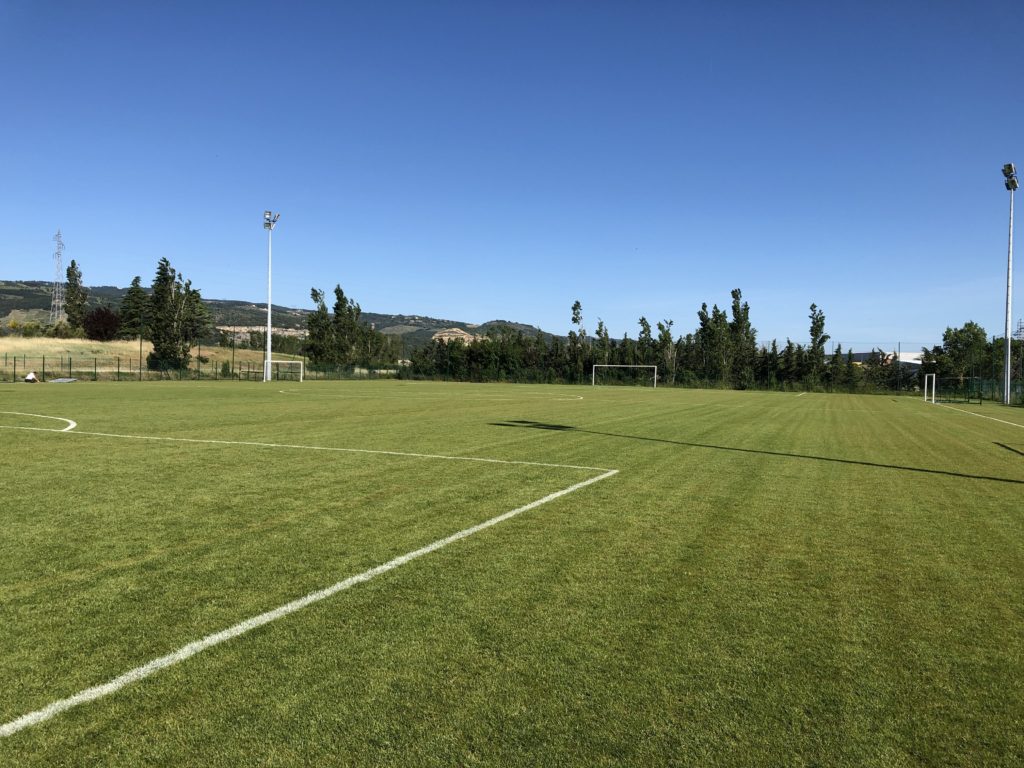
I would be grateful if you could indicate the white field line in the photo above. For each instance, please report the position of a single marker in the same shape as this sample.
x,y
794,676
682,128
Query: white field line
x,y
980,416
801,394
190,650
304,447
406,397
70,424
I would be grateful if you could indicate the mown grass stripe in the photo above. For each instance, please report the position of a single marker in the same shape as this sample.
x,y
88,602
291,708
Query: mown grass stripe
x,y
190,650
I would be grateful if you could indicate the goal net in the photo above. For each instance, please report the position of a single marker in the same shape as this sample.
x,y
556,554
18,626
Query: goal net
x,y
632,375
959,389
287,370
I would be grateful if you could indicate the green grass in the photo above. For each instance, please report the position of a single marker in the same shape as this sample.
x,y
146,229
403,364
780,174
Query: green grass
x,y
768,580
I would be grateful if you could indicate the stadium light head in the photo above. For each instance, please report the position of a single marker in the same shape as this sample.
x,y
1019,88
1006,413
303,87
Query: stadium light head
x,y
1010,174
270,219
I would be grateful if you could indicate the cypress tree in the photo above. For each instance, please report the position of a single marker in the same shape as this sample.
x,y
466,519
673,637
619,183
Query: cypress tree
x,y
75,296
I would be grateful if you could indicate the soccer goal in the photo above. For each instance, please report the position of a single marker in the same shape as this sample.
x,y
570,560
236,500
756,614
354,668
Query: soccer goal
x,y
624,374
287,370
929,378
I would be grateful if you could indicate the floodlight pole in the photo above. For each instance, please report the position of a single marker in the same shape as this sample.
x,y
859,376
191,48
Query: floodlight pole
x,y
1010,174
269,220
1009,308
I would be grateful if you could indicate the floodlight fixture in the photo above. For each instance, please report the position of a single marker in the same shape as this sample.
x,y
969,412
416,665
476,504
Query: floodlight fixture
x,y
1010,174
270,219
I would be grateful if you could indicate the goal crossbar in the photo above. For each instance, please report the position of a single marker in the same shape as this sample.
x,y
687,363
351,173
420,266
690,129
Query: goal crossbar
x,y
593,371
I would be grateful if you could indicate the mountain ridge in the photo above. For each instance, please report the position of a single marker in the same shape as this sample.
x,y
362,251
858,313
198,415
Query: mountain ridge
x,y
29,300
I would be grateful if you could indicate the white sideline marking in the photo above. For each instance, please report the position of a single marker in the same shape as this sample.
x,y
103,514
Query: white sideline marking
x,y
404,396
70,424
304,447
187,651
980,416
801,394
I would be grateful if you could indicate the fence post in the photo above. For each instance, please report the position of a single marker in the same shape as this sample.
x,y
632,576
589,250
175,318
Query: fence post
x,y
94,370
15,374
44,369
118,367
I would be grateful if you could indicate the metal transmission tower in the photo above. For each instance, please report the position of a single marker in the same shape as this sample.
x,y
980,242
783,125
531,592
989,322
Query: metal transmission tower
x,y
57,300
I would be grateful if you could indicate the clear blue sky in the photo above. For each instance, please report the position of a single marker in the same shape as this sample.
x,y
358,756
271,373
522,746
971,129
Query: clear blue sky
x,y
484,160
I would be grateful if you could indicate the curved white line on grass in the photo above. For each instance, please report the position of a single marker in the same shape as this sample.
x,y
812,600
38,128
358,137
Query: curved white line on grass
x,y
568,399
289,392
980,416
70,424
404,454
801,394
190,650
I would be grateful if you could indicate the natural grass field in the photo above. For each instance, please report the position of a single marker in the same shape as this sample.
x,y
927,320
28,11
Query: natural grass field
x,y
768,580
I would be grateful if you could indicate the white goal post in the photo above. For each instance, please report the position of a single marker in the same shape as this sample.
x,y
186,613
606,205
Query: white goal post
x,y
593,372
927,377
302,368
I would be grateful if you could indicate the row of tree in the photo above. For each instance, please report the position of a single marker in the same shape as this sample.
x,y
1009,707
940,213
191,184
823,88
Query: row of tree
x,y
721,351
341,338
171,315
968,353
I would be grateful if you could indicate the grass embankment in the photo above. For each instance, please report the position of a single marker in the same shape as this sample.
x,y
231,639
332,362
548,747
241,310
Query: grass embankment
x,y
769,580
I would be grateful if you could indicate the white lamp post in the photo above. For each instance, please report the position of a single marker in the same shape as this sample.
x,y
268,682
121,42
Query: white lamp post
x,y
269,220
1010,175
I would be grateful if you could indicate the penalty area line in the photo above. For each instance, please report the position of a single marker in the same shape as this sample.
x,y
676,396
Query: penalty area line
x,y
190,650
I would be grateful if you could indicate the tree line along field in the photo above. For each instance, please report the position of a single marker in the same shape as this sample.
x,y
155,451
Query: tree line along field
x,y
723,351
691,577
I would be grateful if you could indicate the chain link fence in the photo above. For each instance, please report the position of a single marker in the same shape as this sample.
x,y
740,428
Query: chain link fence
x,y
15,368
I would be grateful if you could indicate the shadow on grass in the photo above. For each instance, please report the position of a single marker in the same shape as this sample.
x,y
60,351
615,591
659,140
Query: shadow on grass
x,y
1011,449
566,428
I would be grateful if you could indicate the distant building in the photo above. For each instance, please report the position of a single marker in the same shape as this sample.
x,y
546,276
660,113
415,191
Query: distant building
x,y
240,333
454,334
910,359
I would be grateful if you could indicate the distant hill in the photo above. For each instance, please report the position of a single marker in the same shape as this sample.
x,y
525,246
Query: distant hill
x,y
25,300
